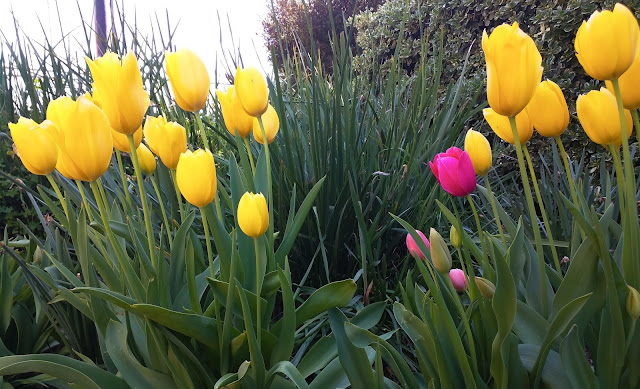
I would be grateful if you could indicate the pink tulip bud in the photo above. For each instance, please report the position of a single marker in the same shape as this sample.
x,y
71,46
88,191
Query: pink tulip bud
x,y
458,279
412,246
454,171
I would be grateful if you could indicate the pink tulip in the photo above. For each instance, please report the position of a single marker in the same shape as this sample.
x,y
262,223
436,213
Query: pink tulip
x,y
412,246
454,171
458,279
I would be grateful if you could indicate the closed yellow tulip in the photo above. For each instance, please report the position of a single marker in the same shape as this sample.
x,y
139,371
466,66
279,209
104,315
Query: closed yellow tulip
x,y
189,79
479,150
629,83
235,117
251,89
548,110
271,124
608,42
146,159
501,126
119,91
36,145
253,214
121,142
598,115
513,68
84,138
167,140
196,176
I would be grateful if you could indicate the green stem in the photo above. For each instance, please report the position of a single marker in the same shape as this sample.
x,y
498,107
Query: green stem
x,y
465,321
61,198
218,209
246,143
485,258
630,336
226,329
258,290
471,284
532,215
636,124
269,189
567,169
203,135
85,202
178,195
143,199
205,226
164,214
496,215
618,166
103,195
545,219
123,178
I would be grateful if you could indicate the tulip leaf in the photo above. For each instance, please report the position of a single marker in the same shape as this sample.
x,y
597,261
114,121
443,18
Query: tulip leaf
x,y
6,295
178,252
285,345
288,370
528,325
504,306
220,290
67,369
553,374
257,359
574,362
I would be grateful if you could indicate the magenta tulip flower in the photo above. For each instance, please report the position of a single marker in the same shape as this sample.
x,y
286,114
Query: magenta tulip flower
x,y
454,171
458,279
412,246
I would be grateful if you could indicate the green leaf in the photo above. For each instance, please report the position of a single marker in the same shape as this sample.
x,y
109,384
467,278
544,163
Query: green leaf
x,y
220,290
285,345
553,373
6,295
574,361
288,370
529,326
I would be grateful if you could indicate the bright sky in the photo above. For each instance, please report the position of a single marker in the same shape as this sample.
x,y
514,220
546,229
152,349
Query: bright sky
x,y
198,25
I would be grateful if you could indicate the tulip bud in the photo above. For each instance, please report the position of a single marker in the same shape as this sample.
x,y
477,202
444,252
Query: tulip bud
x,y
235,118
121,142
251,88
548,110
633,303
486,287
458,279
440,255
196,176
119,90
413,248
84,138
607,43
479,150
598,115
167,140
628,83
502,127
455,238
37,256
454,171
271,125
146,159
514,68
189,79
253,214
36,145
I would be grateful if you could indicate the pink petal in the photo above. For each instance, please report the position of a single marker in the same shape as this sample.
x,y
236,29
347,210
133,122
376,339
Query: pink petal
x,y
448,168
458,279
412,246
434,168
466,174
454,152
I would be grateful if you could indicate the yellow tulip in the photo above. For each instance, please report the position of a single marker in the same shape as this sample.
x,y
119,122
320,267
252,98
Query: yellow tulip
x,y
548,110
629,85
479,150
253,214
146,159
501,126
271,125
189,79
84,138
119,92
235,117
36,145
513,68
251,89
196,176
167,140
121,142
608,42
598,115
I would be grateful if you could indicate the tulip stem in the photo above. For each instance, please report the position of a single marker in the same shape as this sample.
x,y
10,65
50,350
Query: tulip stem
x,y
104,198
465,321
618,166
253,167
124,180
203,135
545,219
61,198
486,267
84,200
496,215
143,199
205,226
532,215
178,195
636,124
473,289
567,168
269,188
258,290
164,214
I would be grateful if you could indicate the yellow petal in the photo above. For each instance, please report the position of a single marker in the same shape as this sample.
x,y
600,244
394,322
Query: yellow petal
x,y
251,89
36,146
479,150
501,126
271,124
189,79
253,214
196,176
